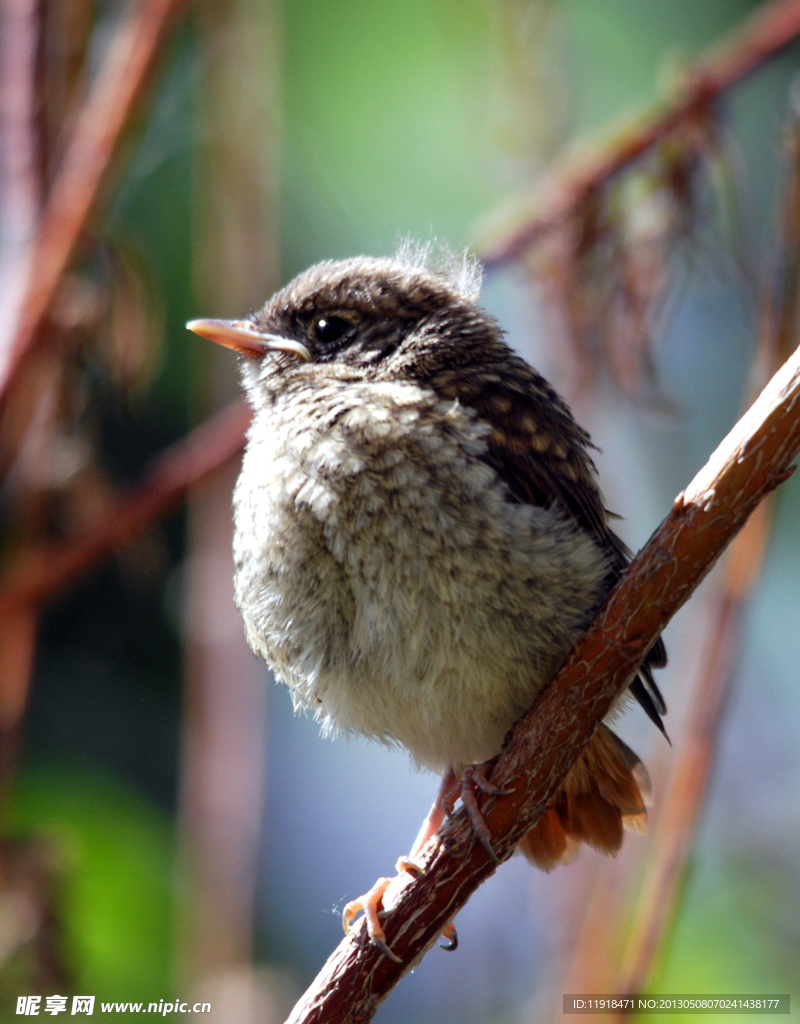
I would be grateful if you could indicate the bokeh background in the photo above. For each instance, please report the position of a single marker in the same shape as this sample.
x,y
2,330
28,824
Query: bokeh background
x,y
170,830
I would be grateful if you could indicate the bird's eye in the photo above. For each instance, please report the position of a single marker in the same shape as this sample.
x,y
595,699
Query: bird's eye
x,y
330,328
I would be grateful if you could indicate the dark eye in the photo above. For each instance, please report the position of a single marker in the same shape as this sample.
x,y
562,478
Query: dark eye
x,y
330,328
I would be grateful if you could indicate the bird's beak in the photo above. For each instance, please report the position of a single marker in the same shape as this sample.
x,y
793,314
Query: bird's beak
x,y
243,337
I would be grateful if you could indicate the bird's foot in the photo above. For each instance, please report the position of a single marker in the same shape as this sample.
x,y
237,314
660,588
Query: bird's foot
x,y
473,781
369,904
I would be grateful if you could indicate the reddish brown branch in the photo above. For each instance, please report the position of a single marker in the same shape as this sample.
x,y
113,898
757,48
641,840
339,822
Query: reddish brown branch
x,y
96,133
772,28
44,572
751,461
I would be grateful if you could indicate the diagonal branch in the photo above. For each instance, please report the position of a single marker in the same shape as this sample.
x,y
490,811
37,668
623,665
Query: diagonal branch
x,y
773,27
44,572
751,461
95,136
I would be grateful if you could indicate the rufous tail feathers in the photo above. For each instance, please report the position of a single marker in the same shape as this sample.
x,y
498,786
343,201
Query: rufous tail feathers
x,y
607,790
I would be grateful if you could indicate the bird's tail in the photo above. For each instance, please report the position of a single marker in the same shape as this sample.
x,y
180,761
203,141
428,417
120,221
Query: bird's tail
x,y
607,790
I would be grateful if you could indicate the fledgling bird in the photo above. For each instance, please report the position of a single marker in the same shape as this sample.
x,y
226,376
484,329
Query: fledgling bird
x,y
419,533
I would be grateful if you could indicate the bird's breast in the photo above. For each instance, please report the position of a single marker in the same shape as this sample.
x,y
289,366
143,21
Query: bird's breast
x,y
387,578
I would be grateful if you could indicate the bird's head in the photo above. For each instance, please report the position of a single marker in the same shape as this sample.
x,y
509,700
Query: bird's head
x,y
359,319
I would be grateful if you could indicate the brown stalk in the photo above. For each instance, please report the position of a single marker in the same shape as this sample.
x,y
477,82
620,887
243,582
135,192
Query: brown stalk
x,y
42,573
97,130
615,952
773,27
751,461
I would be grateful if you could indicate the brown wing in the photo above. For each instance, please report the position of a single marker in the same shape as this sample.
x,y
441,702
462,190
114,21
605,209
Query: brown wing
x,y
542,455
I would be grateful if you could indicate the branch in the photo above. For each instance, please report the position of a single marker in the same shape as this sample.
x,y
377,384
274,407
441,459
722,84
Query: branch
x,y
751,461
772,28
97,131
44,572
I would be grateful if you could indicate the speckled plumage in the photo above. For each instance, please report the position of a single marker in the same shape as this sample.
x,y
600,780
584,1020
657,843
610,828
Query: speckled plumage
x,y
420,537
384,574
390,569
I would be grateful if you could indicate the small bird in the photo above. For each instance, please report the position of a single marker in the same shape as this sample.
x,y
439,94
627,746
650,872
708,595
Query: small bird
x,y
420,537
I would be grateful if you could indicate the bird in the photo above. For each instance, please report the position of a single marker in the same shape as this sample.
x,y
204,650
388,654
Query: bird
x,y
420,536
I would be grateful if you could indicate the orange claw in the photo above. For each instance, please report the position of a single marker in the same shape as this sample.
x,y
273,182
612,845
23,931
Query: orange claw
x,y
369,903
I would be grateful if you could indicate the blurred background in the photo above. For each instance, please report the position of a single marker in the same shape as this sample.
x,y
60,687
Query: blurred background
x,y
169,829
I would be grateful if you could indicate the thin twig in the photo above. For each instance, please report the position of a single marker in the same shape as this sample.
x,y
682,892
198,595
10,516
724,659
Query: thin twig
x,y
616,950
751,461
772,28
42,573
97,131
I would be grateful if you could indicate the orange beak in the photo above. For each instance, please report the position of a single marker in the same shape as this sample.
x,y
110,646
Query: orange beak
x,y
242,337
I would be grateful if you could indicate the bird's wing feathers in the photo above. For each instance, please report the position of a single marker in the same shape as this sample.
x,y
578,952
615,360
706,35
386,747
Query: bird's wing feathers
x,y
542,455
537,448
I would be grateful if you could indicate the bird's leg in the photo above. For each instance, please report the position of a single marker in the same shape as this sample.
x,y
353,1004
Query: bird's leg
x,y
370,901
436,815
